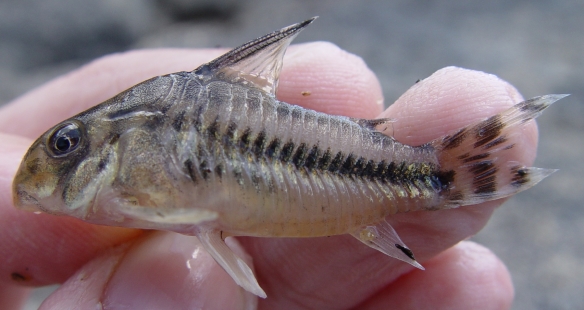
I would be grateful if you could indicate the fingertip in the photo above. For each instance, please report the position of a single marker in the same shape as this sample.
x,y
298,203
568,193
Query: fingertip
x,y
84,290
448,99
159,271
172,271
323,77
317,75
466,276
453,98
93,83
44,249
12,296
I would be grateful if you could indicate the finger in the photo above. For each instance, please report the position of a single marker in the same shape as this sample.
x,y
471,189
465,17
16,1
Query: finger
x,y
12,296
30,235
39,249
467,276
315,272
160,271
84,289
323,77
91,84
450,99
446,101
337,83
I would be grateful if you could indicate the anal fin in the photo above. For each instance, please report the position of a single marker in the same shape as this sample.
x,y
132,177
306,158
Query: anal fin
x,y
231,263
384,238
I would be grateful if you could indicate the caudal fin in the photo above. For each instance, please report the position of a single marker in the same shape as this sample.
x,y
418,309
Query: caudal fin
x,y
470,158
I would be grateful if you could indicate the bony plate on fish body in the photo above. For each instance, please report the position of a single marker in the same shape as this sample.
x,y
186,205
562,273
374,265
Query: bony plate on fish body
x,y
213,153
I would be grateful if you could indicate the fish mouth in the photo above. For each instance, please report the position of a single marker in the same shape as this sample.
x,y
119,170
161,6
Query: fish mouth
x,y
26,202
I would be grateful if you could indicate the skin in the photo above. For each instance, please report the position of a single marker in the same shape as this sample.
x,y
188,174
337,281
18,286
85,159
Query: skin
x,y
117,266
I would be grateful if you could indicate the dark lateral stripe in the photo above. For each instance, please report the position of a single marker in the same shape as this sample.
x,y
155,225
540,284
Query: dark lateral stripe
x,y
245,139
381,169
312,157
259,144
336,162
325,160
300,155
309,157
286,152
370,169
273,148
359,167
347,167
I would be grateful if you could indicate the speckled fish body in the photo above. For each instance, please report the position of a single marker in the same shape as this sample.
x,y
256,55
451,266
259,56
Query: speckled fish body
x,y
213,153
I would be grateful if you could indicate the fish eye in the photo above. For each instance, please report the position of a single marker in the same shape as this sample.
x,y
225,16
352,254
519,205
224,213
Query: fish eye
x,y
65,139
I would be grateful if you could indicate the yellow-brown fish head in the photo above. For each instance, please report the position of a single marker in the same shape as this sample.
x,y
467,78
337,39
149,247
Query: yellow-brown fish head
x,y
57,176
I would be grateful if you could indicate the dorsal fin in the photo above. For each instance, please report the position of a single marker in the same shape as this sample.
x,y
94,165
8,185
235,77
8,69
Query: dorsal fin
x,y
372,123
259,61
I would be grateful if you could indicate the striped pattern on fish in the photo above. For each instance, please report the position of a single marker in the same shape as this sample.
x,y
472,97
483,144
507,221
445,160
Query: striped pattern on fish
x,y
213,153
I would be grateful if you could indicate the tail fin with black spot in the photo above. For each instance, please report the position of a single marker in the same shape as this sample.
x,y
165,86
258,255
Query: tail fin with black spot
x,y
470,158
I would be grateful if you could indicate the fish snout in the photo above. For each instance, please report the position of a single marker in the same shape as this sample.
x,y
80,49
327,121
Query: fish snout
x,y
24,201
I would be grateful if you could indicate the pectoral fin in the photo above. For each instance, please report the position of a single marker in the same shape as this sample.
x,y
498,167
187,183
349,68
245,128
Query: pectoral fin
x,y
130,207
231,263
383,238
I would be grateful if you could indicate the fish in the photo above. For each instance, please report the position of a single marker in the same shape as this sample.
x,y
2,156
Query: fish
x,y
212,153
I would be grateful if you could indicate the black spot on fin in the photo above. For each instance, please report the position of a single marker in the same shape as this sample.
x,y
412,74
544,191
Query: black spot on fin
x,y
476,154
520,176
384,238
406,251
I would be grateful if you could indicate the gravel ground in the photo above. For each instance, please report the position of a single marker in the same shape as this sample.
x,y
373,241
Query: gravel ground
x,y
538,46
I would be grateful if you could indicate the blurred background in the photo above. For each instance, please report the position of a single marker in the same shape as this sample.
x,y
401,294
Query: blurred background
x,y
538,46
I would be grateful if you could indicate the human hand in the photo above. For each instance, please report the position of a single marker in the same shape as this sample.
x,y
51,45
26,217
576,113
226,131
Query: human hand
x,y
125,267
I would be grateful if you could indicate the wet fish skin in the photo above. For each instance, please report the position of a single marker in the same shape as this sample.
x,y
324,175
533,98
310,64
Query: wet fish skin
x,y
212,153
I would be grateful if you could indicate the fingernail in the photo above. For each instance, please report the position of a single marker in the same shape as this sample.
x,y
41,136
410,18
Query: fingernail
x,y
173,271
85,288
